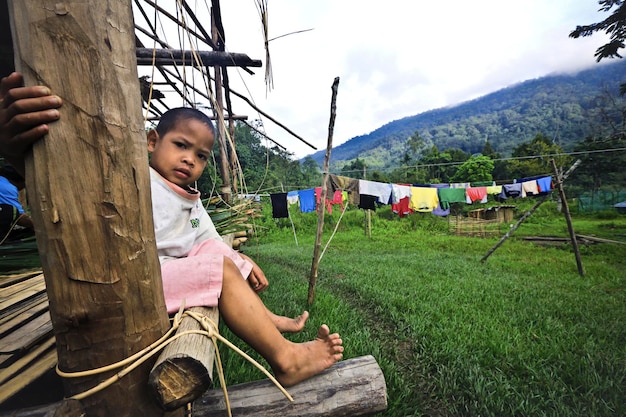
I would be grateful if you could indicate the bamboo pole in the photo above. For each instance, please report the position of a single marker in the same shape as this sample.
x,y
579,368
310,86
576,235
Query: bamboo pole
x,y
320,215
568,218
89,191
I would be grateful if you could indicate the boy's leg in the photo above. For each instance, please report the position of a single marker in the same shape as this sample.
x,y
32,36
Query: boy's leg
x,y
244,313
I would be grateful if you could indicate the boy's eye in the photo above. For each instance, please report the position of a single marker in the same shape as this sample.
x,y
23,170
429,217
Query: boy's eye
x,y
180,145
202,157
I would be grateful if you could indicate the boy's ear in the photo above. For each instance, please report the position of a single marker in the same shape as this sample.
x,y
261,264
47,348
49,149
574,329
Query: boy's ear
x,y
153,137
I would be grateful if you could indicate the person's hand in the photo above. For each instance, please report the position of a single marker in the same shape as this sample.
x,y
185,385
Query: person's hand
x,y
257,280
24,116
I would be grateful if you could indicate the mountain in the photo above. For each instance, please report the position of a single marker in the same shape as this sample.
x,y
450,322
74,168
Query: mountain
x,y
563,107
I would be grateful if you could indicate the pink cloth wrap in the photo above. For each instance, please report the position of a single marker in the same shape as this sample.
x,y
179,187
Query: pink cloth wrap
x,y
197,278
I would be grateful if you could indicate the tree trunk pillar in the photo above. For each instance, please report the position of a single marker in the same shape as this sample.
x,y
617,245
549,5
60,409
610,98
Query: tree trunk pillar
x,y
89,191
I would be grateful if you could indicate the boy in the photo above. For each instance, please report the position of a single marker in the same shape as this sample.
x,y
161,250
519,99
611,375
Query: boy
x,y
180,153
190,249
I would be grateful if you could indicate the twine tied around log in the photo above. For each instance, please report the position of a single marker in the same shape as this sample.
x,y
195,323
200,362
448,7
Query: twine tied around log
x,y
210,330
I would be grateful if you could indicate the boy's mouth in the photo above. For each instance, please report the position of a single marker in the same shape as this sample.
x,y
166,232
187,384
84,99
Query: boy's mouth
x,y
182,173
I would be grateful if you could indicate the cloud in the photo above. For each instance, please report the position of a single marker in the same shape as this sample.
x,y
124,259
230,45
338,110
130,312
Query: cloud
x,y
396,60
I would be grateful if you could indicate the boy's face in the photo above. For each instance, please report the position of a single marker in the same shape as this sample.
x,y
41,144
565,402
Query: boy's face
x,y
181,154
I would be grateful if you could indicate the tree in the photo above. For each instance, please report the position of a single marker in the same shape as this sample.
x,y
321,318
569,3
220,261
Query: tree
x,y
614,25
603,167
311,173
439,166
534,158
354,169
475,169
499,170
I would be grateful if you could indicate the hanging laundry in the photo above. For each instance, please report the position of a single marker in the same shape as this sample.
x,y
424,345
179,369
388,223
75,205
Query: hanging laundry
x,y
476,194
511,191
545,184
337,199
279,205
380,189
423,199
529,188
254,197
400,196
400,191
307,200
292,197
460,185
494,189
401,208
351,185
367,202
438,211
451,195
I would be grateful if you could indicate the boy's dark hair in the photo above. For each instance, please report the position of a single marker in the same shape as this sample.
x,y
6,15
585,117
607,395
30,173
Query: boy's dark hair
x,y
172,117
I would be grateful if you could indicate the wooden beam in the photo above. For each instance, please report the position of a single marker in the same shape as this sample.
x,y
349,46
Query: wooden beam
x,y
147,56
183,371
65,408
89,192
354,387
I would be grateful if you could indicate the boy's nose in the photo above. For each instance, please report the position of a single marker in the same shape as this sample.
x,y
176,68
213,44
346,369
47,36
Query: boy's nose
x,y
188,159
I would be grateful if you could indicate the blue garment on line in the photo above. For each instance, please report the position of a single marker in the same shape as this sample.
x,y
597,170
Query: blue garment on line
x,y
307,200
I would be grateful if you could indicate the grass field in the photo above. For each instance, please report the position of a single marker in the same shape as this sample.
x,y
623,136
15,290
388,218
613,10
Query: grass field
x,y
522,334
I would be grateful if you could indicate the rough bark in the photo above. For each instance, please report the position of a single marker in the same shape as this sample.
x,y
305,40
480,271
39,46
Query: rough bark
x,y
88,187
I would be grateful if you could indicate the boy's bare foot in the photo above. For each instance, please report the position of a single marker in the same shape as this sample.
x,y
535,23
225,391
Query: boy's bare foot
x,y
290,325
304,360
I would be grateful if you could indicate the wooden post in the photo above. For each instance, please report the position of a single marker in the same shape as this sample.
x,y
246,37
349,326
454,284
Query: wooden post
x,y
88,187
218,106
568,218
354,387
320,214
527,214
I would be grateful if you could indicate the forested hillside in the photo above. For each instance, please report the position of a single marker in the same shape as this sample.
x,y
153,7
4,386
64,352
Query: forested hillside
x,y
566,108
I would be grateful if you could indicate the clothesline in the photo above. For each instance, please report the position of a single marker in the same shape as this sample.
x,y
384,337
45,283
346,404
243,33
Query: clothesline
x,y
405,198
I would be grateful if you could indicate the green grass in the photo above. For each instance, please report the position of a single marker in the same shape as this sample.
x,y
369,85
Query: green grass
x,y
519,335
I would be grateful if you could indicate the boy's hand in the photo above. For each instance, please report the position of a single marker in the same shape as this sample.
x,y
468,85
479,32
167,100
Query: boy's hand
x,y
24,116
257,280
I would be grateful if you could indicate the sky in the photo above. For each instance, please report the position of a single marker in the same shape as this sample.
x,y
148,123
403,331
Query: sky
x,y
395,61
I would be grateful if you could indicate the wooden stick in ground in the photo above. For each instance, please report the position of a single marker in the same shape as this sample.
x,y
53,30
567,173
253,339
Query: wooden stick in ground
x,y
568,218
354,387
526,215
89,192
183,371
320,215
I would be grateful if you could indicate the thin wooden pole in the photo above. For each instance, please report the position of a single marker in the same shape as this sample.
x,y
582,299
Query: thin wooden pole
x,y
89,191
367,219
527,214
320,214
224,163
568,218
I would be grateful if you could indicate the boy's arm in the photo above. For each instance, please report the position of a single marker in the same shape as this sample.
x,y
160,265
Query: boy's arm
x,y
24,116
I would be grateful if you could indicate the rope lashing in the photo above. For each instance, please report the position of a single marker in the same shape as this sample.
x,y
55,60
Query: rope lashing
x,y
210,329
